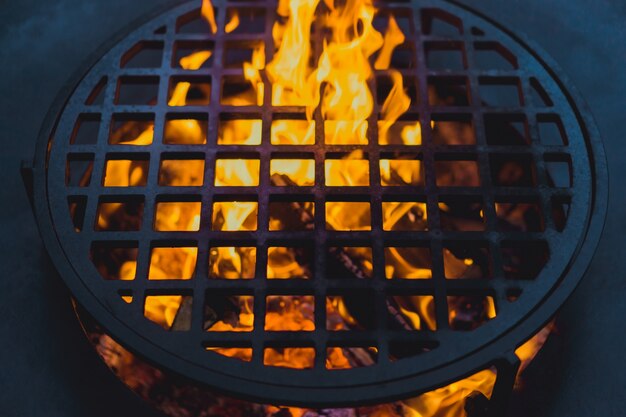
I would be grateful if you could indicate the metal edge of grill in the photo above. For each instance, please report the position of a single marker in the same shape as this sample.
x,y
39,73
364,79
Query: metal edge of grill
x,y
501,350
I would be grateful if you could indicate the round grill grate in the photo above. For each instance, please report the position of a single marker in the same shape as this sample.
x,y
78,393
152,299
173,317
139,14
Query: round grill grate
x,y
495,224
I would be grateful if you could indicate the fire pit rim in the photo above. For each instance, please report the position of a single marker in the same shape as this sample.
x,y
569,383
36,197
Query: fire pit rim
x,y
498,348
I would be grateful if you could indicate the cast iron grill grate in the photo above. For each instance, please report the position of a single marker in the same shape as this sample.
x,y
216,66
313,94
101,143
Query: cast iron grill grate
x,y
528,147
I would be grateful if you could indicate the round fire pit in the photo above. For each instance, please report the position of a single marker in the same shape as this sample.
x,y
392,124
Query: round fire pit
x,y
321,272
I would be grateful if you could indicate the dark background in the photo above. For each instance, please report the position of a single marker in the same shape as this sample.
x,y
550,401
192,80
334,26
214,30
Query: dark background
x,y
48,369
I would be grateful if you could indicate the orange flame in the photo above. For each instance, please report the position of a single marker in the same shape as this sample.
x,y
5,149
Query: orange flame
x,y
208,13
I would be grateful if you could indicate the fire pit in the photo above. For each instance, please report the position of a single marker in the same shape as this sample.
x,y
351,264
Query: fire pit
x,y
319,207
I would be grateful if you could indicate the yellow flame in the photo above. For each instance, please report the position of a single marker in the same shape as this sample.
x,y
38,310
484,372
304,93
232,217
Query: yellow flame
x,y
208,13
293,132
396,104
289,71
351,171
450,400
251,71
393,38
233,23
300,171
237,172
240,132
235,216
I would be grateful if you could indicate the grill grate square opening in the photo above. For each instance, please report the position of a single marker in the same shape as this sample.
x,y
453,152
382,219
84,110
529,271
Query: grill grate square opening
x,y
289,357
467,260
524,260
349,261
137,91
469,312
233,350
441,23
292,172
236,53
347,172
417,310
350,357
168,311
506,130
551,130
525,216
181,172
115,260
185,129
135,129
500,92
177,262
124,214
290,262
408,262
493,56
231,216
289,313
539,96
406,131
560,212
143,54
238,91
456,173
96,97
448,91
86,130
193,23
239,131
177,216
465,214
193,54
189,91
355,309
228,312
401,172
232,262
453,129
291,215
237,172
345,132
404,216
77,206
78,169
249,19
385,83
512,170
348,216
292,132
449,56
126,172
